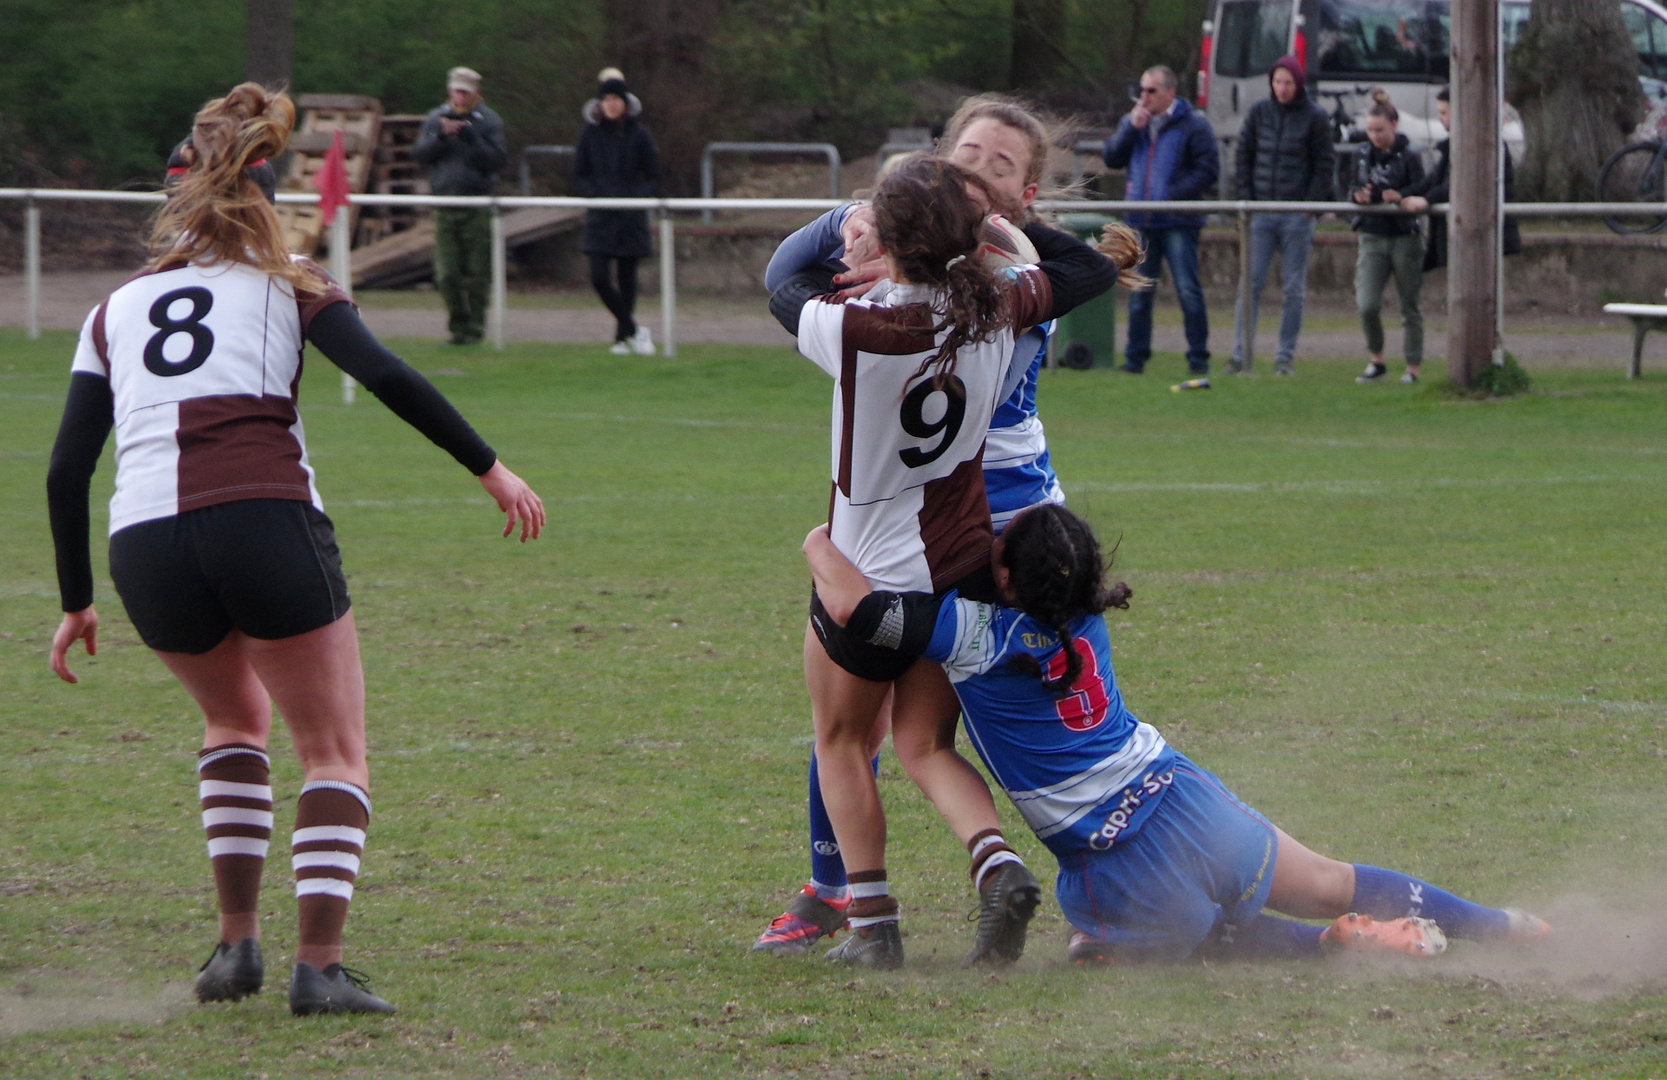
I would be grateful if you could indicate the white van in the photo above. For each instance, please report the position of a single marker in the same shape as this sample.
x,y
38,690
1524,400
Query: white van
x,y
1350,46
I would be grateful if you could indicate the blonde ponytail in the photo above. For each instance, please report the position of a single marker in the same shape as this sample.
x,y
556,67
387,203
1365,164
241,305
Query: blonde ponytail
x,y
1122,245
217,213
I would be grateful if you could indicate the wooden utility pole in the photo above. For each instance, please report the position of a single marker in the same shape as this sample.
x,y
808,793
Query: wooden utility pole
x,y
1473,218
269,39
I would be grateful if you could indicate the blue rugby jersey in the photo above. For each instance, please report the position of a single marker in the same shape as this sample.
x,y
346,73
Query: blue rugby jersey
x,y
1082,769
1017,474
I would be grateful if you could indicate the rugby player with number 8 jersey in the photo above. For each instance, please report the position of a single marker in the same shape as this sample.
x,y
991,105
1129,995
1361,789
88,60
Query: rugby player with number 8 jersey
x,y
219,545
1157,859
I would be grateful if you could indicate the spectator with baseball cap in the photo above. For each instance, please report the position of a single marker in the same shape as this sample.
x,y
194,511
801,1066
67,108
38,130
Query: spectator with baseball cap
x,y
462,143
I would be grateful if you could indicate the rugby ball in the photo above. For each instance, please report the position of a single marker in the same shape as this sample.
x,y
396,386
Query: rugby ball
x,y
1002,244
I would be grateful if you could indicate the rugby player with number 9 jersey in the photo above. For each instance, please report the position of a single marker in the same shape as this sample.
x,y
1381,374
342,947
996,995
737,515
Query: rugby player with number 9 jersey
x,y
919,365
1005,145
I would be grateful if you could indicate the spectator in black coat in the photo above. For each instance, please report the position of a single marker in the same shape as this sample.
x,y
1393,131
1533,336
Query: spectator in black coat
x,y
1284,154
1434,189
616,157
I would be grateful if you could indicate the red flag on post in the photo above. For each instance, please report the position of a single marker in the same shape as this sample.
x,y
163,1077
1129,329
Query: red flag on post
x,y
331,180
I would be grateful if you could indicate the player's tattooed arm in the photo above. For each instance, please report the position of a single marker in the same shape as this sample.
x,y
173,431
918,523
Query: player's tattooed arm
x,y
789,300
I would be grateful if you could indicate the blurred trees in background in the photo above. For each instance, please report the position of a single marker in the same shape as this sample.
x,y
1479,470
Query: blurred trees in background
x,y
95,92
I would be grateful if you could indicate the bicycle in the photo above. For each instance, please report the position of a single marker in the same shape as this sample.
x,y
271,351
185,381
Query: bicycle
x,y
1637,173
1344,132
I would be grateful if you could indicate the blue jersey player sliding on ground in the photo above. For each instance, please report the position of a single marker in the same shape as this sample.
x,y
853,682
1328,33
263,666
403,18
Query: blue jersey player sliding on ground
x,y
1157,859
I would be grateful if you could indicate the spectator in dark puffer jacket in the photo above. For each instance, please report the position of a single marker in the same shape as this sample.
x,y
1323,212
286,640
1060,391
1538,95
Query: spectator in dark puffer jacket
x,y
1170,152
1284,155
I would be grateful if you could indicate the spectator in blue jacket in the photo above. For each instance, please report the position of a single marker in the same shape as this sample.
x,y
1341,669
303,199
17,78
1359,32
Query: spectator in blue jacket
x,y
1170,152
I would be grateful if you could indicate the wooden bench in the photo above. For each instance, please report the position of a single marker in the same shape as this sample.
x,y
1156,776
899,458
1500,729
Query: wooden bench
x,y
1645,317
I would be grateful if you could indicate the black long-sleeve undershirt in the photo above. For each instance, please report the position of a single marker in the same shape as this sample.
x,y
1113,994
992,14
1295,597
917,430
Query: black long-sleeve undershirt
x,y
338,333
1076,272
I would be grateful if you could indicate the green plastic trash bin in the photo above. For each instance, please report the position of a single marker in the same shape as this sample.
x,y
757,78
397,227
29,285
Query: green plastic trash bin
x,y
1087,337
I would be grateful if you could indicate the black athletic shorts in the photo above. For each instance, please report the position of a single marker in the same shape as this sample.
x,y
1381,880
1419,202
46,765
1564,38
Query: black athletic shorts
x,y
267,567
871,662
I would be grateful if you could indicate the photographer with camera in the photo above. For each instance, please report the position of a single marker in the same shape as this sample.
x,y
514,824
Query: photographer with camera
x,y
1386,168
462,143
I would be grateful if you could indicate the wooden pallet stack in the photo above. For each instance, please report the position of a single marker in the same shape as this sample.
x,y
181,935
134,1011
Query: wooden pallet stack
x,y
394,173
359,119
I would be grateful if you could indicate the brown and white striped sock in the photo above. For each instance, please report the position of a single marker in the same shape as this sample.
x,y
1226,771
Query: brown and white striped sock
x,y
331,817
989,850
235,784
871,899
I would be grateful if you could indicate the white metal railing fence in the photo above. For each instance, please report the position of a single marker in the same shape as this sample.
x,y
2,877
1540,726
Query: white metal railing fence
x,y
666,208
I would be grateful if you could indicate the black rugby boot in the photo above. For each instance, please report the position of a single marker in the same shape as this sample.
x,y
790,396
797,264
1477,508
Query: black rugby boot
x,y
231,972
334,990
1006,905
879,946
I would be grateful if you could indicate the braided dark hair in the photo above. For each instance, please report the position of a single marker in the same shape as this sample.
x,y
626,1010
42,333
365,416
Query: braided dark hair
x,y
1054,559
930,225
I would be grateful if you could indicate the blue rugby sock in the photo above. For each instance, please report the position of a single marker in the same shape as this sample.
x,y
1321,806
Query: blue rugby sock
x,y
827,868
1389,894
1269,937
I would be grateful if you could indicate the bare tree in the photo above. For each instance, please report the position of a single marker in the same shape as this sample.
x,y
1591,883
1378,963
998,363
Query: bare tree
x,y
269,39
663,48
1574,77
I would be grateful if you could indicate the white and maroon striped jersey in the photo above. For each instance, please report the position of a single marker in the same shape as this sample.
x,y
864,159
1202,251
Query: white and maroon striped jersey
x,y
203,363
908,505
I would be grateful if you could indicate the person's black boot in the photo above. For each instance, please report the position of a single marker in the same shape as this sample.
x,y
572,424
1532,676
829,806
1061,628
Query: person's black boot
x,y
1006,905
334,990
878,946
231,972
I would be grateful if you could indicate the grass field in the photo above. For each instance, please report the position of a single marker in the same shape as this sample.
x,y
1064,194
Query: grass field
x,y
1413,631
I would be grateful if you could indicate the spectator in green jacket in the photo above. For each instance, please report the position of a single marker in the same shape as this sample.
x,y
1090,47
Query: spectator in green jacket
x,y
462,143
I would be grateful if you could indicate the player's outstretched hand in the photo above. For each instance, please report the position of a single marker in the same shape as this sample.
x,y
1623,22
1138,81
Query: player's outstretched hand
x,y
77,626
516,500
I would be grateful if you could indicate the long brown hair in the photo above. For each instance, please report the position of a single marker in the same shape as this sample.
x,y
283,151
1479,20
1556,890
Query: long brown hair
x,y
218,213
931,227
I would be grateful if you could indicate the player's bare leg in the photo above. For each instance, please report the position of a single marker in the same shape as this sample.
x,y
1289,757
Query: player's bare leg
x,y
845,710
1385,910
1306,884
817,911
924,721
317,683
